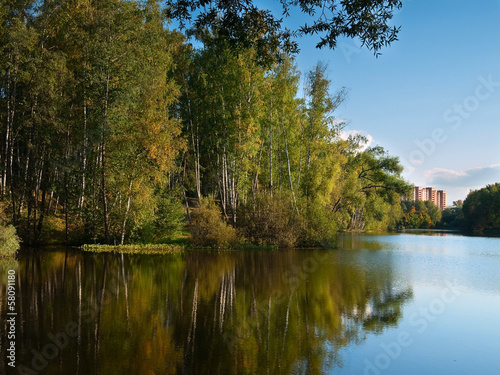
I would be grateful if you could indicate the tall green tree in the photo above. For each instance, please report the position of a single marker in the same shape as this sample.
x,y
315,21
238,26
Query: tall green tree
x,y
453,217
373,189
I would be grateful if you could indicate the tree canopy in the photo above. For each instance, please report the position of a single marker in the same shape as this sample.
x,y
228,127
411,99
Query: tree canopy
x,y
242,22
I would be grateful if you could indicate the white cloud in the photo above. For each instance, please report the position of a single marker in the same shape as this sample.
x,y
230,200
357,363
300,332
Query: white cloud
x,y
443,174
470,178
353,133
458,183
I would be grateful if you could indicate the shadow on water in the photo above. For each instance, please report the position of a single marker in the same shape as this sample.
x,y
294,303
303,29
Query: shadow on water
x,y
197,312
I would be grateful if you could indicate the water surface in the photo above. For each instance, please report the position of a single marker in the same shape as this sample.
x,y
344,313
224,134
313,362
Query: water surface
x,y
413,303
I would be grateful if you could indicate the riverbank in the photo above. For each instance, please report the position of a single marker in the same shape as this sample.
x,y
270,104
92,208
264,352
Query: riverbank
x,y
134,249
163,248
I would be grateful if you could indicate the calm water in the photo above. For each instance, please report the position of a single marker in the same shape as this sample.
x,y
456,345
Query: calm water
x,y
388,304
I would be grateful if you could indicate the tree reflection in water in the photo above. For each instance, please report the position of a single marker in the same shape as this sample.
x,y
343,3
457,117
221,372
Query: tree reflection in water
x,y
202,312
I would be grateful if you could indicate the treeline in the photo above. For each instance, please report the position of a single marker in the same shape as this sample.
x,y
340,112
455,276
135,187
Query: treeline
x,y
452,217
420,215
478,214
481,210
114,127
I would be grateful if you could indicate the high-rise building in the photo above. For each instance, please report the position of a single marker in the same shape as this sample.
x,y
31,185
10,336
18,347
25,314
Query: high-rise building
x,y
431,195
441,199
438,197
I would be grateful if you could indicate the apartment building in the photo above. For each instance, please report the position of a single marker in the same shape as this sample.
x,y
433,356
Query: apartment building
x,y
438,197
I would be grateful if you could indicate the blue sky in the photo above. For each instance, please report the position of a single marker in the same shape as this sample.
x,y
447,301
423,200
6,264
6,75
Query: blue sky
x,y
433,97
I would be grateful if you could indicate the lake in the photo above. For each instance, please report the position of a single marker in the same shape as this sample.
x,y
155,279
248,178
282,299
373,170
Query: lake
x,y
406,303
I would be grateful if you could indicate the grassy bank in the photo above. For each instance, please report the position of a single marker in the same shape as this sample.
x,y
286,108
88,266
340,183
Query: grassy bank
x,y
164,248
135,249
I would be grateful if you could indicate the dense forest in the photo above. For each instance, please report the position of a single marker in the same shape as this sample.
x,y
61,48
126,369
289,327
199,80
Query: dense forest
x,y
481,210
116,129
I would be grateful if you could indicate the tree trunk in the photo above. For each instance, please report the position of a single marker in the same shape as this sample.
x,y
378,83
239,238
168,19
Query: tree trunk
x,y
129,197
103,163
271,150
66,184
288,165
84,157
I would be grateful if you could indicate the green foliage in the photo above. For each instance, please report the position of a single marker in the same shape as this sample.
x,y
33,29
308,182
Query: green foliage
x,y
9,242
380,172
319,224
368,198
53,231
420,214
257,146
208,228
481,209
144,232
433,211
270,220
106,116
170,215
85,92
134,249
382,215
453,217
244,24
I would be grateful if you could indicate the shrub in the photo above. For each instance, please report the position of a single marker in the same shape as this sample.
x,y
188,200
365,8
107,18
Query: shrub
x,y
270,220
208,228
320,225
9,241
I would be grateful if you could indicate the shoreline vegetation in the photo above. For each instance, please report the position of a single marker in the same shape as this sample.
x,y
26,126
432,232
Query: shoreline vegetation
x,y
161,249
134,249
164,248
117,130
121,131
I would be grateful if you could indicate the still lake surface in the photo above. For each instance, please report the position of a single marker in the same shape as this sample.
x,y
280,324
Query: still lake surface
x,y
408,303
